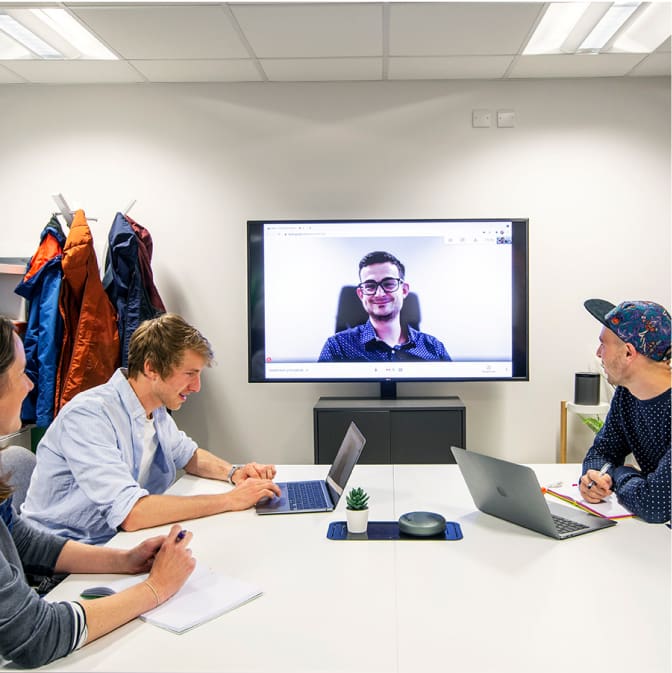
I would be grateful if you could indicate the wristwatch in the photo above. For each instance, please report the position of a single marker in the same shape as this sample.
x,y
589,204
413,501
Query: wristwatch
x,y
229,476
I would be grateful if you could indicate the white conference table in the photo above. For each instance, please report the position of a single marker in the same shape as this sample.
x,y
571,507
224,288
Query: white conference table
x,y
501,599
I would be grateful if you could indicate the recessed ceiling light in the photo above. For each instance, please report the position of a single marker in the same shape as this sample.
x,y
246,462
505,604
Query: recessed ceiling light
x,y
608,25
27,38
50,33
71,30
556,24
647,31
624,26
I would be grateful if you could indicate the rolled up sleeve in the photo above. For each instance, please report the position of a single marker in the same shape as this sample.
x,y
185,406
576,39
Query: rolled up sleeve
x,y
100,465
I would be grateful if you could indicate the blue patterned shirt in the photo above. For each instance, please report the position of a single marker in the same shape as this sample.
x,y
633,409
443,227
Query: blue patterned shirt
x,y
640,427
360,344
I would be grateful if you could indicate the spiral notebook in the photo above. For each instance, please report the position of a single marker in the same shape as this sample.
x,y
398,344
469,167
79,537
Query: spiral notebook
x,y
609,508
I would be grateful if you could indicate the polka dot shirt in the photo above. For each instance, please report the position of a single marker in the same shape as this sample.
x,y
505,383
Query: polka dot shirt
x,y
360,344
640,427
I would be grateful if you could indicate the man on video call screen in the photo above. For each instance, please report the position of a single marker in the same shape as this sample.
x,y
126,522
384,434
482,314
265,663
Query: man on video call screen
x,y
384,336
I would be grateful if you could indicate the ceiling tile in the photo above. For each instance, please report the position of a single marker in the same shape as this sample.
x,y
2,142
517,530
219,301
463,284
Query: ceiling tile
x,y
665,47
575,65
165,32
231,70
446,28
297,30
322,69
449,67
207,41
7,76
76,72
654,65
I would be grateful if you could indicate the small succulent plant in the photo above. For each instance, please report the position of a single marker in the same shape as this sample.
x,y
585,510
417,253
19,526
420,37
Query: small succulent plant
x,y
357,499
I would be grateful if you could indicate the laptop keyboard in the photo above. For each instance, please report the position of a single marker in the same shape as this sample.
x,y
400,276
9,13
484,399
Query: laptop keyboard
x,y
563,525
305,495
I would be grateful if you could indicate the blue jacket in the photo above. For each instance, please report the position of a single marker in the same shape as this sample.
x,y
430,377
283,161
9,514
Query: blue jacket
x,y
44,332
124,282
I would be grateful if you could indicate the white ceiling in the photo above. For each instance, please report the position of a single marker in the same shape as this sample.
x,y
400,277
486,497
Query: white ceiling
x,y
304,41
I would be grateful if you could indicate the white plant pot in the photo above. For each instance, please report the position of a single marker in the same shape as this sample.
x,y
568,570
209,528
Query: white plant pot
x,y
357,519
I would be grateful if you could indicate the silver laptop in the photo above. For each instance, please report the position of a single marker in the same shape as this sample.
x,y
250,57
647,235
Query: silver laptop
x,y
319,495
512,492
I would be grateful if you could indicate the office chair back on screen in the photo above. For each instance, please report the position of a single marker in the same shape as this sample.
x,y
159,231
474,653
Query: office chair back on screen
x,y
350,311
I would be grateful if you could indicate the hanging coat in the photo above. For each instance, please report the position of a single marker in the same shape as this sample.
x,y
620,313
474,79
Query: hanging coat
x,y
44,330
145,250
90,351
128,278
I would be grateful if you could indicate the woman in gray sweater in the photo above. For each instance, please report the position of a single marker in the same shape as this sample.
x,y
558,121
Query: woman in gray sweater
x,y
33,632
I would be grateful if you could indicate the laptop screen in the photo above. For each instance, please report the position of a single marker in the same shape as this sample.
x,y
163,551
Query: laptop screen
x,y
345,461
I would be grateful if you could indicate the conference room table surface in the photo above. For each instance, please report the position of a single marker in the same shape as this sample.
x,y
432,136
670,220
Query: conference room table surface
x,y
501,599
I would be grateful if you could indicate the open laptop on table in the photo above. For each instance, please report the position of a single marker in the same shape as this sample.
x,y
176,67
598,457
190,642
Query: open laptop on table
x,y
319,495
512,492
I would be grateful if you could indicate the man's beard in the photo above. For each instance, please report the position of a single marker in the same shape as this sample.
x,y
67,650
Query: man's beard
x,y
387,317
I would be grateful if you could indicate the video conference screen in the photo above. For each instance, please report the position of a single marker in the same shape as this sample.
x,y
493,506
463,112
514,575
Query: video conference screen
x,y
462,300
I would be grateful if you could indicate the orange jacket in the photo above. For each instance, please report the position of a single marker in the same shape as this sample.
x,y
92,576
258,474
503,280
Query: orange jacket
x,y
90,352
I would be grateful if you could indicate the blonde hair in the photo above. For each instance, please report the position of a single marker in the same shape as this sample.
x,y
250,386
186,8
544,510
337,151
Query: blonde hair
x,y
162,343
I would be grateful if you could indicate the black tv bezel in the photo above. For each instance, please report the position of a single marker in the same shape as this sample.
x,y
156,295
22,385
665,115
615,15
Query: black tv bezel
x,y
520,269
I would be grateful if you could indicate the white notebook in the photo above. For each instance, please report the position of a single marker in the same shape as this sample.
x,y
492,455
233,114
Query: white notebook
x,y
204,596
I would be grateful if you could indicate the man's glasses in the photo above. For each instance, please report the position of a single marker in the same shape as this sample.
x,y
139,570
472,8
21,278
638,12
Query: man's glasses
x,y
388,285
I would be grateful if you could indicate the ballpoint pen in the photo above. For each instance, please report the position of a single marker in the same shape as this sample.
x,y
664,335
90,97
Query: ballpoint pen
x,y
603,471
181,535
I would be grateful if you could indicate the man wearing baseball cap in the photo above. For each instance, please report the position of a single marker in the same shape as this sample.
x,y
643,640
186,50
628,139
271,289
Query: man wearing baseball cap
x,y
635,353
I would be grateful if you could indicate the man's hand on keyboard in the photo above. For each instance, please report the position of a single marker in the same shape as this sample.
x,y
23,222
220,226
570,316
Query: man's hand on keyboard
x,y
250,491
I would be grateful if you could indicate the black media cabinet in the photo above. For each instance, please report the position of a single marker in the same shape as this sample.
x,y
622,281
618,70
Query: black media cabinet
x,y
402,430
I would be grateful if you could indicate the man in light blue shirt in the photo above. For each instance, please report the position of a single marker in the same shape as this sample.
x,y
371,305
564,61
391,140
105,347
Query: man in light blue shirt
x,y
106,461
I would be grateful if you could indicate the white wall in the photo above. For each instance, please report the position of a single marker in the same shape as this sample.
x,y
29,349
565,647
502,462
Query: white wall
x,y
588,162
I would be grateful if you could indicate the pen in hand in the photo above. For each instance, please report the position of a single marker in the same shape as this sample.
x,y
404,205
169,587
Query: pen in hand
x,y
603,471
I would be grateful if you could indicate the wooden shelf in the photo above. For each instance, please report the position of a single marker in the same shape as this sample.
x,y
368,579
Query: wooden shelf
x,y
587,409
580,410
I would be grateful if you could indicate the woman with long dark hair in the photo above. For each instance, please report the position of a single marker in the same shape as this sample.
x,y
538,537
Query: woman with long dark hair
x,y
33,631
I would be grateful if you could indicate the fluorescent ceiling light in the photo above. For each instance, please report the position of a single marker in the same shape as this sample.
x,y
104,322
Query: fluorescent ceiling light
x,y
50,33
647,31
71,30
622,26
556,24
607,27
11,50
28,39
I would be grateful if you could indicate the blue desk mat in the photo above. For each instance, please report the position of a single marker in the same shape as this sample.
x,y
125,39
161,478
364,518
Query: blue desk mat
x,y
389,530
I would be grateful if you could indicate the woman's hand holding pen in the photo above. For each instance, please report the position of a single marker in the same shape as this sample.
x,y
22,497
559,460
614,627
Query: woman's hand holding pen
x,y
172,565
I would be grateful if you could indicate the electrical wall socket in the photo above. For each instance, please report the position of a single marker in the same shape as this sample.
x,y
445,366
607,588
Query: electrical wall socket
x,y
481,119
506,119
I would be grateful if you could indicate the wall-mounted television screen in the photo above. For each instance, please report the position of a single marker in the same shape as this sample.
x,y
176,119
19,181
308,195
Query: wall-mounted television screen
x,y
388,300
